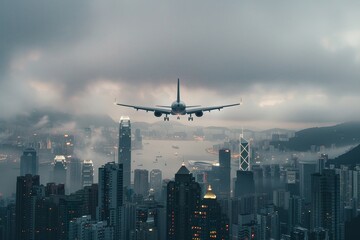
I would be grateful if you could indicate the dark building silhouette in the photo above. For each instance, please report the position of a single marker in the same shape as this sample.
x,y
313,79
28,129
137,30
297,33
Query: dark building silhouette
x,y
138,139
156,182
75,174
183,199
29,162
46,218
124,149
258,178
325,203
70,206
305,171
224,171
219,177
209,221
244,183
141,182
25,206
59,172
87,173
110,196
295,212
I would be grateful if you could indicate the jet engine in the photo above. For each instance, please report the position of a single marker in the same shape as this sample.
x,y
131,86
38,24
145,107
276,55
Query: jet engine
x,y
199,113
157,114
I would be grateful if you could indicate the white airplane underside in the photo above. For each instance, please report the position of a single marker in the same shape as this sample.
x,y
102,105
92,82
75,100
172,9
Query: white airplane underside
x,y
178,108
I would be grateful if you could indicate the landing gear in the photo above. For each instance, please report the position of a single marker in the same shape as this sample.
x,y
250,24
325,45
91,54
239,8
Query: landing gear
x,y
178,117
166,118
191,118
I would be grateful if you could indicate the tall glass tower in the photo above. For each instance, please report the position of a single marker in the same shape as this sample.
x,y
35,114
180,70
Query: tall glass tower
x,y
244,158
110,197
29,162
124,149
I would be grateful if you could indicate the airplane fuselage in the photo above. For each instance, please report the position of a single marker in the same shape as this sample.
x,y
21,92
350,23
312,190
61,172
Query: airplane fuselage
x,y
178,108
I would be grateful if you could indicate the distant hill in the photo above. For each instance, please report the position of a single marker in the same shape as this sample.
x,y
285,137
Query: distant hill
x,y
351,157
340,135
39,120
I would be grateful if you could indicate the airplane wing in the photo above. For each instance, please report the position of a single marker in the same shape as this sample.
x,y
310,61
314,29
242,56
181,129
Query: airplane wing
x,y
147,109
208,109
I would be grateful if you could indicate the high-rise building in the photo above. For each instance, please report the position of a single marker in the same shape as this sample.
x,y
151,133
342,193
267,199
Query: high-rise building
x,y
25,206
244,161
46,218
325,203
156,182
268,224
244,183
183,199
110,197
295,212
138,139
87,178
59,172
322,162
141,182
305,171
209,222
75,173
258,178
149,220
83,228
124,149
281,198
245,228
224,172
29,162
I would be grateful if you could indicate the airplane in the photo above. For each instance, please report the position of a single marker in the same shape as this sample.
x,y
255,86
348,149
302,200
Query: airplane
x,y
177,108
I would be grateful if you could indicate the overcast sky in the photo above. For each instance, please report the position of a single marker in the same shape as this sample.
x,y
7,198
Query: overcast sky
x,y
294,63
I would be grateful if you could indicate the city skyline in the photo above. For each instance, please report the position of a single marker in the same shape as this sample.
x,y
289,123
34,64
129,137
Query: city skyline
x,y
294,65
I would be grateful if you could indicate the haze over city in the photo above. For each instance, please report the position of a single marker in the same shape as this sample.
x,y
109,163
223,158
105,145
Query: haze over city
x,y
294,64
279,161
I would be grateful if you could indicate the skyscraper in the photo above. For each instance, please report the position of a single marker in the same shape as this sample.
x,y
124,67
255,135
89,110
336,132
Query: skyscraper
x,y
209,222
87,173
325,203
29,162
305,171
124,149
25,206
156,180
244,183
75,174
183,199
141,182
110,196
244,161
60,169
224,171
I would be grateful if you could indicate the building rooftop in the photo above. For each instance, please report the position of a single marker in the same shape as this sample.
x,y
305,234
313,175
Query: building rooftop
x,y
183,170
209,194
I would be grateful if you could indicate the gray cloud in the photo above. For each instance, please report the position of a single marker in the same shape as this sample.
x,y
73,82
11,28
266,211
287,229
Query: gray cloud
x,y
258,50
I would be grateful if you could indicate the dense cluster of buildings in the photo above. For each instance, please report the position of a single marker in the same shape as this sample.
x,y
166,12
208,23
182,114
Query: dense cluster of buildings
x,y
299,200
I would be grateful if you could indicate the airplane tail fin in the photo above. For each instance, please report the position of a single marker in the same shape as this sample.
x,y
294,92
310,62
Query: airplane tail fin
x,y
178,91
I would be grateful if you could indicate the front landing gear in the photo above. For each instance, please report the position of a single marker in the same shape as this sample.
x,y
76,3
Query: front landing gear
x,y
191,118
166,118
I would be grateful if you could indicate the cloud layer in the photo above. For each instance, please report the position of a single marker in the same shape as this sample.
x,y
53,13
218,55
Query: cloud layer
x,y
292,63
